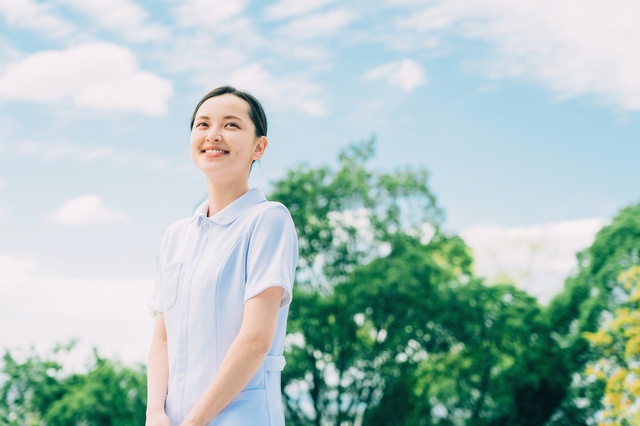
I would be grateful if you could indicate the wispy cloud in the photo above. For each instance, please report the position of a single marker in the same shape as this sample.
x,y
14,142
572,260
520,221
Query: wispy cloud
x,y
207,12
46,307
575,47
536,259
52,151
38,17
3,184
290,91
288,8
406,75
86,210
124,17
102,76
318,25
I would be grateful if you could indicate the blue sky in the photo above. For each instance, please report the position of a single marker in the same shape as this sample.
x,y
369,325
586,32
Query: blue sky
x,y
525,113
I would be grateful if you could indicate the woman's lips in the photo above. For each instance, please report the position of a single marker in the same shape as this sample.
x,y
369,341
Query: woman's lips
x,y
214,154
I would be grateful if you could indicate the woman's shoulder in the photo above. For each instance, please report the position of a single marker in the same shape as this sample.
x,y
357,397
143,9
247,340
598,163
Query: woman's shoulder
x,y
270,217
272,211
175,229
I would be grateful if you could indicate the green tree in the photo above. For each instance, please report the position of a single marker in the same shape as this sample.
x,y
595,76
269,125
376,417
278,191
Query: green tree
x,y
474,351
618,369
344,219
385,317
594,291
37,391
330,208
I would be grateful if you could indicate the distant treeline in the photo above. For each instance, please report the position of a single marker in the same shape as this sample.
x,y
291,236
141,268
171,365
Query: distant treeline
x,y
389,325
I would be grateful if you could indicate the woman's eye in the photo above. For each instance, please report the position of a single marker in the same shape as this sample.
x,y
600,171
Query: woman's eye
x,y
232,124
201,124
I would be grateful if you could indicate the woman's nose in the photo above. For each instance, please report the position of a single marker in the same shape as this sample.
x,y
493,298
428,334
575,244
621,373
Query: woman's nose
x,y
213,135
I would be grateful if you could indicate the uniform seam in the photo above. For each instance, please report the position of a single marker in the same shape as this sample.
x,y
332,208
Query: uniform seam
x,y
188,301
266,391
216,295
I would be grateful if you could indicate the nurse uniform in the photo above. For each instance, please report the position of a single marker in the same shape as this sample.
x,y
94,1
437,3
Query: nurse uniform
x,y
210,266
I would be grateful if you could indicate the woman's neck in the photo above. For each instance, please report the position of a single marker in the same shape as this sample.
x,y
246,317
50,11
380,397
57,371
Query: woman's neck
x,y
223,194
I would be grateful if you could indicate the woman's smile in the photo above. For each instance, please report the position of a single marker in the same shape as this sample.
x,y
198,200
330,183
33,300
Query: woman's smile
x,y
213,152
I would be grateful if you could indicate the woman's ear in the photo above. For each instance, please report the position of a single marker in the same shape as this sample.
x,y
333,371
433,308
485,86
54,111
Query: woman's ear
x,y
258,152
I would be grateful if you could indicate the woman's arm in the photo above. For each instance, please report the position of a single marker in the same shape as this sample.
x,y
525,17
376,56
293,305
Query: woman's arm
x,y
246,353
158,375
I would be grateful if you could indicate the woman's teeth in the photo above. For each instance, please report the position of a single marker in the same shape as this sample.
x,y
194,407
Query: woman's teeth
x,y
215,151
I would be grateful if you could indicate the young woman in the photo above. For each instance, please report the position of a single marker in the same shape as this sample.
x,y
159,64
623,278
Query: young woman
x,y
225,283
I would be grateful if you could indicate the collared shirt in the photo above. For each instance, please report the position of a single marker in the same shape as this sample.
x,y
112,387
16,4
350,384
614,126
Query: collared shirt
x,y
209,267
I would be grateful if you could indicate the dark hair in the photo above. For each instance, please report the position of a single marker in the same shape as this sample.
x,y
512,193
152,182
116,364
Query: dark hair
x,y
256,113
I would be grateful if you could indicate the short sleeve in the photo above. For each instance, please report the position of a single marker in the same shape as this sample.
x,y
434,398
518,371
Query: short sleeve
x,y
272,254
155,302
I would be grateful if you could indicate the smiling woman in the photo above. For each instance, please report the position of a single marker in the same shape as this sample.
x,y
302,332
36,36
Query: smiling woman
x,y
237,115
225,283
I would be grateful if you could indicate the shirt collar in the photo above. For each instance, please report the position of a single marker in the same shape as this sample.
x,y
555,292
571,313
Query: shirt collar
x,y
234,209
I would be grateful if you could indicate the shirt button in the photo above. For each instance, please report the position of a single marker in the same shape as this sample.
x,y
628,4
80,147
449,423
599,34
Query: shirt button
x,y
206,225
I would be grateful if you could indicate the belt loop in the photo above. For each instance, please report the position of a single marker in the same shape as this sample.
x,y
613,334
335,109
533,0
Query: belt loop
x,y
274,363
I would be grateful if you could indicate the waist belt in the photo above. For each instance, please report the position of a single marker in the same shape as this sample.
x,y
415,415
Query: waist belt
x,y
274,363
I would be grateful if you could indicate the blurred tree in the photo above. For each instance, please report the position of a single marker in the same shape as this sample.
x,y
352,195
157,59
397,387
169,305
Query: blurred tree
x,y
390,327
345,219
482,355
618,343
592,292
36,392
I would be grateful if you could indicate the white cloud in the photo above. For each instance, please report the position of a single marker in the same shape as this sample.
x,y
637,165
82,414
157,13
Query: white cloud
x,y
101,76
3,184
207,13
52,151
285,90
28,14
84,211
123,16
574,46
536,258
45,308
288,8
406,75
318,25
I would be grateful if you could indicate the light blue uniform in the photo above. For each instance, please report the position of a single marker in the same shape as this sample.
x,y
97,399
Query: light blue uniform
x,y
209,266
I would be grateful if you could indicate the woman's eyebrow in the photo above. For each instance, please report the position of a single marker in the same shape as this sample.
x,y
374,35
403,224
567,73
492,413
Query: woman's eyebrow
x,y
233,117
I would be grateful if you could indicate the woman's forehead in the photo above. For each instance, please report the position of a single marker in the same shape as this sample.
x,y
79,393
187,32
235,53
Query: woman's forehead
x,y
224,105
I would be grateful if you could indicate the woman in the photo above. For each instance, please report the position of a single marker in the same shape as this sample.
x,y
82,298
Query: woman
x,y
225,283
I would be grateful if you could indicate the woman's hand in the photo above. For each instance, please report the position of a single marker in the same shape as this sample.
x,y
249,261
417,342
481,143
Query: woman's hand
x,y
157,418
157,375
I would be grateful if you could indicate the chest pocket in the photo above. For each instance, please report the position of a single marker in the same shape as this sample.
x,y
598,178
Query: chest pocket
x,y
170,282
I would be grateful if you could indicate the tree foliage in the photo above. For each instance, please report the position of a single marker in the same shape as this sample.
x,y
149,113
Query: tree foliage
x,y
618,344
408,327
37,391
593,292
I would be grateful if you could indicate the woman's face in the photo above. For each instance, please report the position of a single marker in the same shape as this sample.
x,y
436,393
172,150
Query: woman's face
x,y
223,139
